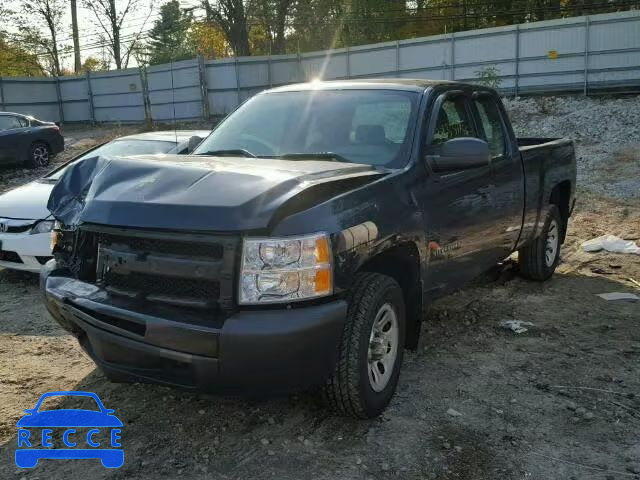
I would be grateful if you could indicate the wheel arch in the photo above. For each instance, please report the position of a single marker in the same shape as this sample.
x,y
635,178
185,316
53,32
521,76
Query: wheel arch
x,y
44,141
402,262
560,196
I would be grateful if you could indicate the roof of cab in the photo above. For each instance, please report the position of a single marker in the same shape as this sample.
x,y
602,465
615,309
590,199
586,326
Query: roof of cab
x,y
407,84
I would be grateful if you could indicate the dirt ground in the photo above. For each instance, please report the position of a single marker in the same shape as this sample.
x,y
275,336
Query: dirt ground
x,y
560,401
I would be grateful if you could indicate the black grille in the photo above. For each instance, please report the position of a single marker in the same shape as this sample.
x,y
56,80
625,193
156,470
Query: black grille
x,y
43,260
189,271
146,284
141,244
134,327
11,257
18,228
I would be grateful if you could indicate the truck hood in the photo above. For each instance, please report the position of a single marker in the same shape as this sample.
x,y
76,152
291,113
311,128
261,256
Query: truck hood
x,y
28,202
193,192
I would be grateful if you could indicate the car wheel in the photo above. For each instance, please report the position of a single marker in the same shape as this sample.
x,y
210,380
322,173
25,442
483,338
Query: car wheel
x,y
371,348
539,259
39,155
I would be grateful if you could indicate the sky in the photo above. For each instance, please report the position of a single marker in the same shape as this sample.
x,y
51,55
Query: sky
x,y
89,30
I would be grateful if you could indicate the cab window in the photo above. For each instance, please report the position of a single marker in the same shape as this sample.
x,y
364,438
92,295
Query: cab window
x,y
491,124
453,121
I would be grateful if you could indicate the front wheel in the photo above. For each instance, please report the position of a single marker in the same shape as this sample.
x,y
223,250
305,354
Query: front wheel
x,y
539,259
371,348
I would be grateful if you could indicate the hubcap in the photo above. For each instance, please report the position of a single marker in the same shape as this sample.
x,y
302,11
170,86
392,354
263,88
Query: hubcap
x,y
383,347
551,248
41,155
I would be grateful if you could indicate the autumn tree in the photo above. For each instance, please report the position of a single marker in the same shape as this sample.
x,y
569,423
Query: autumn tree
x,y
15,60
93,64
231,17
208,40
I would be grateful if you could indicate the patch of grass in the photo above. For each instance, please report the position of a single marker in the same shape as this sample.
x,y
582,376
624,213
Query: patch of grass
x,y
545,105
489,77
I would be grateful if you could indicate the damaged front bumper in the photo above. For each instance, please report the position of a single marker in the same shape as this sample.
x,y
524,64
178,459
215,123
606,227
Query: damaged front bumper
x,y
253,350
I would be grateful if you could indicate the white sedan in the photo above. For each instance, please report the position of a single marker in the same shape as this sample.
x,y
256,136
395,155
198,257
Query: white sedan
x,y
25,222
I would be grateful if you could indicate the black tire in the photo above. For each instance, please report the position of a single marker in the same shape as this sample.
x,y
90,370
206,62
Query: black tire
x,y
532,259
39,155
349,391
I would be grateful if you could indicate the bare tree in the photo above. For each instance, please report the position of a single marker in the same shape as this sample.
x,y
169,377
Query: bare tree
x,y
48,16
110,19
231,17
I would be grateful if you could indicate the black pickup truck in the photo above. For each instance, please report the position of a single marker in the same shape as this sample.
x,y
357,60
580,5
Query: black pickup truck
x,y
301,244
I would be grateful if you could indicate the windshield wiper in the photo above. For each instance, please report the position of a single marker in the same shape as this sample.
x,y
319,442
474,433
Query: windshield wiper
x,y
231,152
315,156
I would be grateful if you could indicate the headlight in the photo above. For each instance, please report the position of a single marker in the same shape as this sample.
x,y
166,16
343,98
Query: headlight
x,y
285,269
44,226
56,235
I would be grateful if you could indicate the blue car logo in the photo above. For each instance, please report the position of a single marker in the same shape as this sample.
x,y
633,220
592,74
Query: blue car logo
x,y
35,438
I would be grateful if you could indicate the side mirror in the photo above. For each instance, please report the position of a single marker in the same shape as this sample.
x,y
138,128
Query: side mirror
x,y
193,143
461,154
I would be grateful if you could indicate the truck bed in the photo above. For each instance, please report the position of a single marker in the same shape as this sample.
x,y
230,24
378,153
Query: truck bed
x,y
547,162
524,142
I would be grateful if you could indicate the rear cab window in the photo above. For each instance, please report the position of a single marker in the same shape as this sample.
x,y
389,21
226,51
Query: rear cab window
x,y
490,123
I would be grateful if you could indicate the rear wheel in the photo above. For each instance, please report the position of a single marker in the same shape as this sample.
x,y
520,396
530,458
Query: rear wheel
x,y
539,259
39,155
371,349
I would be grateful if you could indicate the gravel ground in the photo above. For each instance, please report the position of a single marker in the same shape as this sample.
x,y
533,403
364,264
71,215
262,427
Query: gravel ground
x,y
606,132
475,401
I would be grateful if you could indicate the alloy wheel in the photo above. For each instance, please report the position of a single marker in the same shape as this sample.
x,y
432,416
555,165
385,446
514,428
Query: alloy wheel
x,y
383,347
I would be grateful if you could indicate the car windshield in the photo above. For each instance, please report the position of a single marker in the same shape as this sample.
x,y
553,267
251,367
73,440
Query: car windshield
x,y
122,148
372,127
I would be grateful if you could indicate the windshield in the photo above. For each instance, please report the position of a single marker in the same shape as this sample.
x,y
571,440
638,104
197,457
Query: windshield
x,y
124,148
362,126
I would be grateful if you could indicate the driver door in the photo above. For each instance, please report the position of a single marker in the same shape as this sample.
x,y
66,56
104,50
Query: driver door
x,y
457,203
